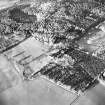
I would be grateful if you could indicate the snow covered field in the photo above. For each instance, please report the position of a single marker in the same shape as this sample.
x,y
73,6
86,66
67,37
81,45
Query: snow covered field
x,y
7,3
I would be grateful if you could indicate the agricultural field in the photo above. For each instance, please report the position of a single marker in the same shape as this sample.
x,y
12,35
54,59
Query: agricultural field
x,y
52,52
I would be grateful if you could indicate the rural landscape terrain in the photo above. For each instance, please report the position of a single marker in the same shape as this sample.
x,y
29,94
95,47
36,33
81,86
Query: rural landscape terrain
x,y
52,52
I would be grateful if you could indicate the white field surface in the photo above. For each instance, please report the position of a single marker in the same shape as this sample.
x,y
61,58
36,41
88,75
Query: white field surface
x,y
30,46
33,48
95,96
8,75
7,3
36,92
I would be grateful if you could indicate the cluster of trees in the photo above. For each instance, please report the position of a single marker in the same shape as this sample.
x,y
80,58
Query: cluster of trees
x,y
12,32
19,16
56,27
17,21
77,78
93,65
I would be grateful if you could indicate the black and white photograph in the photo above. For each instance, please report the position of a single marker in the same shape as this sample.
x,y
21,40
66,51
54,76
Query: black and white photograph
x,y
52,52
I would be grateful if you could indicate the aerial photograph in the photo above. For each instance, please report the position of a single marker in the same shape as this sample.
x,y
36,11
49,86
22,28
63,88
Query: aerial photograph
x,y
52,52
